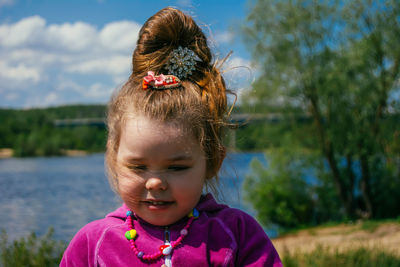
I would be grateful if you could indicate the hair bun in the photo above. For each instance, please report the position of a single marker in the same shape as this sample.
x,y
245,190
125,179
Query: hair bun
x,y
164,32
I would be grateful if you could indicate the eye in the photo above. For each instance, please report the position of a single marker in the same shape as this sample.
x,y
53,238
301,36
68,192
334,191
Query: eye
x,y
138,168
178,167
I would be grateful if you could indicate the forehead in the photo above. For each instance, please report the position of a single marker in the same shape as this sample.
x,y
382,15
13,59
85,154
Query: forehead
x,y
142,126
143,135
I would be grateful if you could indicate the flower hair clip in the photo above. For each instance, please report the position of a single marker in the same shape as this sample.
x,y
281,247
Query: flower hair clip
x,y
181,62
160,82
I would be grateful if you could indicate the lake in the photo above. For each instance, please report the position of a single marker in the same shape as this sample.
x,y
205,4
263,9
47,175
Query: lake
x,y
68,192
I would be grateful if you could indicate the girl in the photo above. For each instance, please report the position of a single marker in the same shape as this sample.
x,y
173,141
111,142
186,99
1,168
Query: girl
x,y
164,147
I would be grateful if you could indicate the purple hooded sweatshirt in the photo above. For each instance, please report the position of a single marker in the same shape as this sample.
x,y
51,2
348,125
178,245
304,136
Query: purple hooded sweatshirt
x,y
221,236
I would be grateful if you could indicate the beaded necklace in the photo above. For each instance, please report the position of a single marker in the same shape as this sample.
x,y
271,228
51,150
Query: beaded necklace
x,y
164,250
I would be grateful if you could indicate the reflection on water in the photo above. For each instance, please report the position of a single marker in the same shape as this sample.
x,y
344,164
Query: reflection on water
x,y
68,192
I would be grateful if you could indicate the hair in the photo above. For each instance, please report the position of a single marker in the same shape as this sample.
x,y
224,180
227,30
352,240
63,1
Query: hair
x,y
199,105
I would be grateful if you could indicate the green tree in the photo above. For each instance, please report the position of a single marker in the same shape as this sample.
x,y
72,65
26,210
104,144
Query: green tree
x,y
32,132
337,63
284,197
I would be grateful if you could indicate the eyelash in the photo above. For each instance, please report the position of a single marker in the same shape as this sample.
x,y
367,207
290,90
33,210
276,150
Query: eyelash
x,y
142,168
178,167
137,168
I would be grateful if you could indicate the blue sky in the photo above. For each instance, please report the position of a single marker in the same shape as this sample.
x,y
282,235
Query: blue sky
x,y
57,52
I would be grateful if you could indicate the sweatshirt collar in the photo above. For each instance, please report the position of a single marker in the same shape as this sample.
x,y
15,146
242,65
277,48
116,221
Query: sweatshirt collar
x,y
206,203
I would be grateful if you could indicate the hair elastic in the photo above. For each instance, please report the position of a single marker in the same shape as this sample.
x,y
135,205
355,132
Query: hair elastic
x,y
160,82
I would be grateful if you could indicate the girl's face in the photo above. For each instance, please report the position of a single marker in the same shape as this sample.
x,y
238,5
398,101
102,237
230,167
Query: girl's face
x,y
161,170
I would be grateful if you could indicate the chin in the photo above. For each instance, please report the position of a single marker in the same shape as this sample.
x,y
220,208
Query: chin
x,y
161,220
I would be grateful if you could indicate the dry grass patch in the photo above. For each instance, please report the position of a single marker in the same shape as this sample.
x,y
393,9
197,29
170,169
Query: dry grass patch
x,y
341,238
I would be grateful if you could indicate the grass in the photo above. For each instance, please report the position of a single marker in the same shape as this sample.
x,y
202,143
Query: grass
x,y
372,225
361,257
366,225
35,251
31,251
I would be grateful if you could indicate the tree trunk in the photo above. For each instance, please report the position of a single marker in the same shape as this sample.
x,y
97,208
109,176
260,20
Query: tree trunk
x,y
366,188
329,154
351,175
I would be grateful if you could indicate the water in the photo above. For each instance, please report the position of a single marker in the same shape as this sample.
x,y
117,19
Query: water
x,y
68,192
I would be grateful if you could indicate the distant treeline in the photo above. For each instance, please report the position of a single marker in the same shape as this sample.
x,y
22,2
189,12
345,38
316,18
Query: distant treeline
x,y
33,132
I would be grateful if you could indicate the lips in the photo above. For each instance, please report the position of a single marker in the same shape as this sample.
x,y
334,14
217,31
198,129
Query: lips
x,y
157,203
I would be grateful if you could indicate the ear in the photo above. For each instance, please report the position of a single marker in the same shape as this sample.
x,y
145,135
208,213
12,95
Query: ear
x,y
214,171
222,157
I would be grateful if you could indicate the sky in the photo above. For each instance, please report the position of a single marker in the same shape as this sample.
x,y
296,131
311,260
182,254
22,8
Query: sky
x,y
60,52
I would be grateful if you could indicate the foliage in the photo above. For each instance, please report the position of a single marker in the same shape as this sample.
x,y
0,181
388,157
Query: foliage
x,y
283,197
336,63
252,137
286,192
31,252
354,257
32,132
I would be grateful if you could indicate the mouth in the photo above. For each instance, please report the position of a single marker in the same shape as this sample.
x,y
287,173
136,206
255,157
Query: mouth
x,y
157,204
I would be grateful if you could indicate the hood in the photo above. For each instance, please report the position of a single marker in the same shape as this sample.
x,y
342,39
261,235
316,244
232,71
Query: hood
x,y
207,203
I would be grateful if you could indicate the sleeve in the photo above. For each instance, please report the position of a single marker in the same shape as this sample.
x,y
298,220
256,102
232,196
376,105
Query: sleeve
x,y
79,252
255,248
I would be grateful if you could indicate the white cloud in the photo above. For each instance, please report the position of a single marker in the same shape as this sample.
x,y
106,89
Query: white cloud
x,y
238,68
109,65
223,37
64,84
31,50
7,2
99,90
239,74
48,64
234,62
21,72
50,98
184,3
26,32
76,37
43,100
11,96
120,36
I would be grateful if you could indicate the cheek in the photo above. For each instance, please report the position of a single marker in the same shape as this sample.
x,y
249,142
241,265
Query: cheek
x,y
128,183
193,181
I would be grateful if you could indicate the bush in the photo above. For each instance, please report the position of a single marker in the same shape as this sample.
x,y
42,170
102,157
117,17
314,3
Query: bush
x,y
32,251
279,192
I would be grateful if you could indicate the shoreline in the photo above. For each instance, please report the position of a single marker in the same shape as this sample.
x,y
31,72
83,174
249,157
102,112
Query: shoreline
x,y
6,153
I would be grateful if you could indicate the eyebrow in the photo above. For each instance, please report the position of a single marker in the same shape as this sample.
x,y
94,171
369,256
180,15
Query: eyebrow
x,y
174,158
181,157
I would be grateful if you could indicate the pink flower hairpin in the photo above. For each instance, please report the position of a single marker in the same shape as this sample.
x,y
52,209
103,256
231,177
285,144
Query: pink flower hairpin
x,y
160,82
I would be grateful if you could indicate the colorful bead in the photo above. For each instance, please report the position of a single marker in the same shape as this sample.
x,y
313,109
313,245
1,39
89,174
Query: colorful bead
x,y
131,234
194,213
184,232
166,249
128,213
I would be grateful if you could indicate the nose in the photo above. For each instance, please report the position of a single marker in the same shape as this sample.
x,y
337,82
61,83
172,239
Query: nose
x,y
155,182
